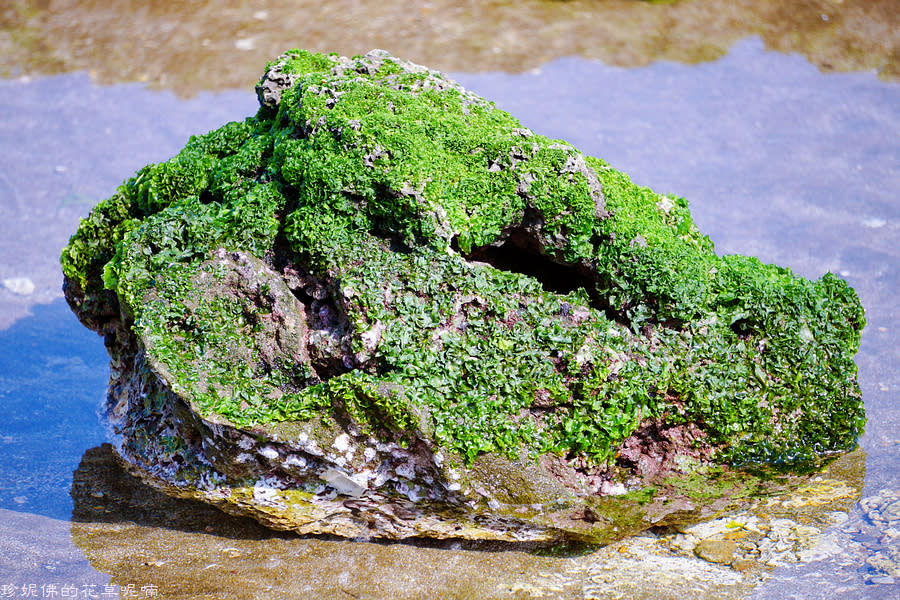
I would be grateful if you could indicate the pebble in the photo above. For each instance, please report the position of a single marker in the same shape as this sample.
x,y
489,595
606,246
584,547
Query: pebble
x,y
716,551
743,564
883,509
883,580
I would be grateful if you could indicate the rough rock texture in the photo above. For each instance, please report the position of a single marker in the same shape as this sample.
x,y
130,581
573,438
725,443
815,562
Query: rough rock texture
x,y
382,307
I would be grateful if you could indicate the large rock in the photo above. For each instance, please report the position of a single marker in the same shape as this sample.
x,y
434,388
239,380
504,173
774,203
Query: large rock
x,y
383,307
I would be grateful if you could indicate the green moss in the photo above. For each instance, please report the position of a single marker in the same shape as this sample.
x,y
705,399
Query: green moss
x,y
94,244
301,61
641,496
390,184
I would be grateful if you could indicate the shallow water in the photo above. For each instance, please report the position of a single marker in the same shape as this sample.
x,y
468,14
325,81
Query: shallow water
x,y
777,160
220,44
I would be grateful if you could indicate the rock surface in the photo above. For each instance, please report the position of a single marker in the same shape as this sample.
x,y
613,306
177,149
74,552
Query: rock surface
x,y
383,307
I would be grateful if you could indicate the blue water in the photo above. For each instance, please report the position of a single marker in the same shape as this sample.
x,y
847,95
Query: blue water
x,y
53,374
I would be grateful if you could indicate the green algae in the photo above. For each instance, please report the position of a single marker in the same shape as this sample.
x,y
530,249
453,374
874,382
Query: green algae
x,y
406,200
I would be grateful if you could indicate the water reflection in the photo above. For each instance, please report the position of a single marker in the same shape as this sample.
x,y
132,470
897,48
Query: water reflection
x,y
103,492
191,46
187,549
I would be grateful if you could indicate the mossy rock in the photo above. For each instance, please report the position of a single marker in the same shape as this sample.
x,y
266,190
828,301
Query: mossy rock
x,y
383,307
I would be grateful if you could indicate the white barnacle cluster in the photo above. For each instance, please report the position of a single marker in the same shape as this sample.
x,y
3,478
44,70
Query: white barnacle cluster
x,y
267,492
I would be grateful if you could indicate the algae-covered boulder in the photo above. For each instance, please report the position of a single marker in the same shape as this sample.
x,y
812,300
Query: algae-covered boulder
x,y
383,307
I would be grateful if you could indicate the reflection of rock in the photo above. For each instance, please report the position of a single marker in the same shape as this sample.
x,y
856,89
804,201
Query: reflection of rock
x,y
382,307
716,551
111,42
188,551
104,493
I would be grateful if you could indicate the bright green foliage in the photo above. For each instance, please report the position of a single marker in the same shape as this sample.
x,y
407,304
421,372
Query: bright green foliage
x,y
390,184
